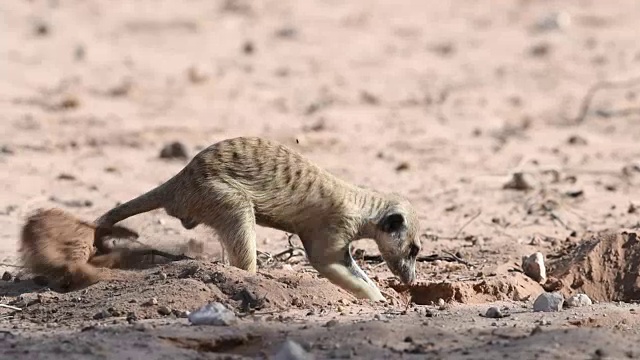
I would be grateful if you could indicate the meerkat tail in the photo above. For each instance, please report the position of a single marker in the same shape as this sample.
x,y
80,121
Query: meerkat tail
x,y
151,200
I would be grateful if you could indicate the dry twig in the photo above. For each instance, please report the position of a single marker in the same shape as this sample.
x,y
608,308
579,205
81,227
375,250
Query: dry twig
x,y
426,258
467,223
10,307
602,85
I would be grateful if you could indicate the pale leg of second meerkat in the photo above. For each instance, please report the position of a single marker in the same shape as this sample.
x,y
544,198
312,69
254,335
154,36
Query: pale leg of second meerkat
x,y
332,259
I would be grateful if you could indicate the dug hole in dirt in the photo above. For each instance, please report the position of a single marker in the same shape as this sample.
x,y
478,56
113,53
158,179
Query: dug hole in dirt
x,y
604,265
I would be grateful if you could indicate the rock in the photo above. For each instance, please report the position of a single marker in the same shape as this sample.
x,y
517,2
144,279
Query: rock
x,y
533,267
213,314
549,302
408,339
163,310
552,284
403,166
286,32
41,28
174,150
132,317
331,323
7,276
576,140
196,75
6,149
290,350
540,50
579,300
180,313
494,313
114,312
248,48
101,315
519,182
151,302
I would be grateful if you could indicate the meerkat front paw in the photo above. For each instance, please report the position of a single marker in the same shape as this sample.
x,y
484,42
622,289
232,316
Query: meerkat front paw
x,y
371,293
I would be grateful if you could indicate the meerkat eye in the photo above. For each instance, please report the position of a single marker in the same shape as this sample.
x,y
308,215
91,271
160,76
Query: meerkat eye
x,y
392,223
413,250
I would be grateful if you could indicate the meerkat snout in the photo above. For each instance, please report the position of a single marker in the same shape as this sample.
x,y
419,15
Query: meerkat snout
x,y
398,242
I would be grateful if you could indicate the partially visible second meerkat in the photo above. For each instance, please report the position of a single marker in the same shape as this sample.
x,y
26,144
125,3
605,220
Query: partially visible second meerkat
x,y
59,246
238,183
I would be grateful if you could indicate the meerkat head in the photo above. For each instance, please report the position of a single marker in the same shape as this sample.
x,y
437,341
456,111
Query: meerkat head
x,y
397,238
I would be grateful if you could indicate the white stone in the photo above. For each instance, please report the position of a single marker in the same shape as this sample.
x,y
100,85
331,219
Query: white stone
x,y
579,300
213,314
549,302
533,267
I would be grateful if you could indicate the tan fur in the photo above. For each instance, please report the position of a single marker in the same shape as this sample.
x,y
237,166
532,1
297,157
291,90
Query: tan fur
x,y
59,246
237,183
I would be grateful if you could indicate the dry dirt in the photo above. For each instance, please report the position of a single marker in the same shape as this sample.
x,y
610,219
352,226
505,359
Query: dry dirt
x,y
442,101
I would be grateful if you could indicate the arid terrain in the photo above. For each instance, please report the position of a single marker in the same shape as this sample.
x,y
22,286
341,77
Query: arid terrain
x,y
513,127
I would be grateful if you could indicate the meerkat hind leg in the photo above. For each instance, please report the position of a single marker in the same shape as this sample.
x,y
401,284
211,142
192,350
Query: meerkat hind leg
x,y
238,238
337,265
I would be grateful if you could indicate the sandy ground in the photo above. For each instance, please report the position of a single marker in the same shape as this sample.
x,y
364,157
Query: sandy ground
x,y
441,101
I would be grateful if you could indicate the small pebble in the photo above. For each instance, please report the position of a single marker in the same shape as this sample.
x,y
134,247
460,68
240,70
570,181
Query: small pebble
x,y
331,323
163,310
132,317
151,302
180,313
601,353
519,181
494,313
101,315
248,48
408,339
7,276
141,327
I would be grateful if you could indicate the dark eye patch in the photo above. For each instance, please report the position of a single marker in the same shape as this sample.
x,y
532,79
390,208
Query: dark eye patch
x,y
413,250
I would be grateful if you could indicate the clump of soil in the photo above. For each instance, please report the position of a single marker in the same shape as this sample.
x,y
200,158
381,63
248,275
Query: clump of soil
x,y
513,286
605,267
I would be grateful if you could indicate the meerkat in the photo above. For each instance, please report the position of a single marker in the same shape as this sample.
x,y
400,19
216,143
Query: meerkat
x,y
59,246
235,184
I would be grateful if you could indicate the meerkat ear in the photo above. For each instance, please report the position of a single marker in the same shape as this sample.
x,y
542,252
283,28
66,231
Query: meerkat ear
x,y
392,222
